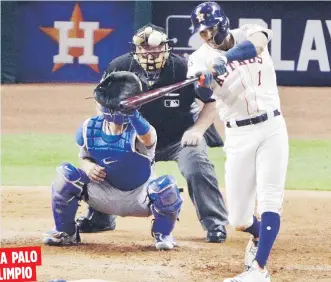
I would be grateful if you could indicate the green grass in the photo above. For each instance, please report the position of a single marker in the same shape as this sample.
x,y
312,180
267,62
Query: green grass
x,y
30,159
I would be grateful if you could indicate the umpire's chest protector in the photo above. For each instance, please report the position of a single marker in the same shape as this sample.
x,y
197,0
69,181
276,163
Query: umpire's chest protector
x,y
126,168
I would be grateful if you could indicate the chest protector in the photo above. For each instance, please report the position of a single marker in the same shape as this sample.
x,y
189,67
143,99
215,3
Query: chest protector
x,y
126,168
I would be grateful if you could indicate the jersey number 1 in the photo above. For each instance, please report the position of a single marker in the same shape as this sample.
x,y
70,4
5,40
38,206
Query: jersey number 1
x,y
259,83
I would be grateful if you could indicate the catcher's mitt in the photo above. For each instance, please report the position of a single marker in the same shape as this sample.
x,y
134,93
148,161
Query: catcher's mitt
x,y
116,87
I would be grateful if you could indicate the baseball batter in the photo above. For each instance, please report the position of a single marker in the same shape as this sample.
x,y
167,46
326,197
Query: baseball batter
x,y
116,176
238,72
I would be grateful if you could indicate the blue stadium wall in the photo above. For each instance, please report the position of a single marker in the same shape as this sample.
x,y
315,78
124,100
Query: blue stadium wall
x,y
37,45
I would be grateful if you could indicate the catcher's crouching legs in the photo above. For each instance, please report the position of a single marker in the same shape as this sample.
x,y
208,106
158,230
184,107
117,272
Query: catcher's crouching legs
x,y
166,203
67,189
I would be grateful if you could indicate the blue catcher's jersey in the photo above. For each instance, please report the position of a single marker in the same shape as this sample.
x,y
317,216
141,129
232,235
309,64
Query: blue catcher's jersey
x,y
126,168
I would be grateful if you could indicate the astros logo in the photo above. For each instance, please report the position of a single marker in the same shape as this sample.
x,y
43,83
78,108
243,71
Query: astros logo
x,y
76,39
200,17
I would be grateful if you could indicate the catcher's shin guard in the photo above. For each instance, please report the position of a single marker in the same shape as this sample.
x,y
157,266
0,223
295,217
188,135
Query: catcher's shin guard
x,y
67,189
166,203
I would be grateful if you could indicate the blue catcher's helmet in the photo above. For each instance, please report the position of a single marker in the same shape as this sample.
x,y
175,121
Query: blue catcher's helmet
x,y
208,15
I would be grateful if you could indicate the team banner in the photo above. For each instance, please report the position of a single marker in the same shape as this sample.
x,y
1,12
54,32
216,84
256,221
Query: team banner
x,y
301,44
74,41
71,41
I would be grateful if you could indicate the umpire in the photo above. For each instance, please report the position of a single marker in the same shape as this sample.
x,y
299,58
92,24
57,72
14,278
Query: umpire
x,y
181,129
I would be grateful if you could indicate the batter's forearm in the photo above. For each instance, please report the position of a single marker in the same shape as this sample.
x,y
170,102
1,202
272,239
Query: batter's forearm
x,y
206,117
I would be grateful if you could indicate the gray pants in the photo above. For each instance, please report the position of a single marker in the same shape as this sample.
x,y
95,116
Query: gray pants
x,y
107,199
199,173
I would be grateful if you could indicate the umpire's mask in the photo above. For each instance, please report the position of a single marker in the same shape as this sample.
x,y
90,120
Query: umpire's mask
x,y
151,50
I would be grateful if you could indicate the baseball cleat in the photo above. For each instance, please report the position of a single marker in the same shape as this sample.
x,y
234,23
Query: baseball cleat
x,y
253,274
250,252
164,242
96,221
57,238
86,225
217,236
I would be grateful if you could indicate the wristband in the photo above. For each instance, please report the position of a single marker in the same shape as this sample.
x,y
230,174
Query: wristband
x,y
140,124
204,93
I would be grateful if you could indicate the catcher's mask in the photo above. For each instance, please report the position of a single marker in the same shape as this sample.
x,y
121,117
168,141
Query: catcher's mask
x,y
114,88
151,50
114,116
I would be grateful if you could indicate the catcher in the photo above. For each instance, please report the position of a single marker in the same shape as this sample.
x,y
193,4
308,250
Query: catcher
x,y
117,169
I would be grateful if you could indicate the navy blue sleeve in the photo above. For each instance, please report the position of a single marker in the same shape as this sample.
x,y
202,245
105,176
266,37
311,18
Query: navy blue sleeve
x,y
204,94
243,51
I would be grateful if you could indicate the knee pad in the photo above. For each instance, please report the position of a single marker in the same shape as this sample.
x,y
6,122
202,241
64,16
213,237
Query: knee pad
x,y
164,195
70,181
67,190
166,203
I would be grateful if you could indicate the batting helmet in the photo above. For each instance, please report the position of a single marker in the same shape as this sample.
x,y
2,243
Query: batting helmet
x,y
209,15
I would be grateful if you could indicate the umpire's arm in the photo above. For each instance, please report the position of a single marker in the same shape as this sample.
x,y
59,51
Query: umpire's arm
x,y
207,115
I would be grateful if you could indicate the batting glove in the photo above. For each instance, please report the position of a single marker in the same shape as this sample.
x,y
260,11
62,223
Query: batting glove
x,y
205,79
219,66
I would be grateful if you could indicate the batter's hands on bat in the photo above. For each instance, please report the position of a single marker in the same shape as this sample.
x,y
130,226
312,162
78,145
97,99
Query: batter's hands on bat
x,y
205,79
96,173
218,66
191,137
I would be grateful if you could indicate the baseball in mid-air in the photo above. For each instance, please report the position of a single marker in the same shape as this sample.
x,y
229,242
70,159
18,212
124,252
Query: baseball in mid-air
x,y
148,30
155,39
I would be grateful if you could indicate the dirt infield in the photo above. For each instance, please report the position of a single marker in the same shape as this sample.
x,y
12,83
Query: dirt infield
x,y
127,254
302,252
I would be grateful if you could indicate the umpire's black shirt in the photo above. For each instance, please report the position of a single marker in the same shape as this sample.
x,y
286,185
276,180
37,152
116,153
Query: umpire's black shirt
x,y
172,114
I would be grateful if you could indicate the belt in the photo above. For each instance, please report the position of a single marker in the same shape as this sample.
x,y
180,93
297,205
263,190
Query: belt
x,y
254,120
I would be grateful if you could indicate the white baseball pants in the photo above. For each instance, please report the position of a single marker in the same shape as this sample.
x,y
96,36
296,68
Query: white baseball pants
x,y
255,169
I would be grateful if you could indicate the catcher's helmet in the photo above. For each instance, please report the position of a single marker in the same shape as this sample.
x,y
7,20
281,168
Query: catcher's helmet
x,y
114,88
208,15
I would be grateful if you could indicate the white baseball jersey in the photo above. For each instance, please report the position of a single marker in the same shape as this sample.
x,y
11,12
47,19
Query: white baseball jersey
x,y
249,87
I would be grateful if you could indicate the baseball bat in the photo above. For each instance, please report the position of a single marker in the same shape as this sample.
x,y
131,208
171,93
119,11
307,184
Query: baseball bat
x,y
149,96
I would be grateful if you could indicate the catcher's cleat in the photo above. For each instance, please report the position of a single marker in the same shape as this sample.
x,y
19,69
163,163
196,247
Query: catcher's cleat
x,y
164,242
250,252
96,221
217,236
253,274
57,238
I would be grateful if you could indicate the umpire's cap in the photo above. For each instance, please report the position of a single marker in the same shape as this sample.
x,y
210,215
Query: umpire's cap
x,y
116,87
